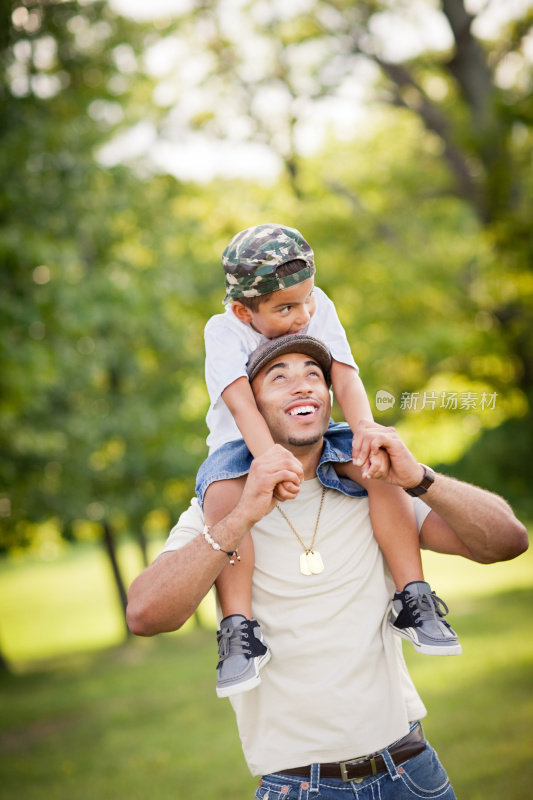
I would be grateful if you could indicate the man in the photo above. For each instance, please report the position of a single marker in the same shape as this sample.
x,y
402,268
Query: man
x,y
335,707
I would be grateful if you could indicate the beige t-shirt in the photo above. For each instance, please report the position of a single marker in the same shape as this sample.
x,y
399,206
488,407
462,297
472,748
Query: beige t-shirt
x,y
336,686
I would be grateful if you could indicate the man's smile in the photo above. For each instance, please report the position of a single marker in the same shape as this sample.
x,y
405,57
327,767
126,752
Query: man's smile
x,y
302,408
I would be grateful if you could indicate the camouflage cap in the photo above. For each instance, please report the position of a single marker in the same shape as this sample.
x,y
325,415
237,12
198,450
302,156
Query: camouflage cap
x,y
252,256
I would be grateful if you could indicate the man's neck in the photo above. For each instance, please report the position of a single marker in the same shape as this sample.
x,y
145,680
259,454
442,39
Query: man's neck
x,y
308,456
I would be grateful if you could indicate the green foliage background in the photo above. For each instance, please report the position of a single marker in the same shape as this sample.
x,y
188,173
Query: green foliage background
x,y
108,276
420,223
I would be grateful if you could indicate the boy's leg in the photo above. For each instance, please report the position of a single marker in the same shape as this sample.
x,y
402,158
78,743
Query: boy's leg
x,y
394,526
417,613
242,652
234,583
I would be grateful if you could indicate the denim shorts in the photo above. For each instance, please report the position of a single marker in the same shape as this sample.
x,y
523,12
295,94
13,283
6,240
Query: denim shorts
x,y
422,776
233,460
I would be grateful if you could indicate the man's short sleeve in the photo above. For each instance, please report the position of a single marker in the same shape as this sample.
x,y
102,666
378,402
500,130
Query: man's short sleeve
x,y
421,510
187,528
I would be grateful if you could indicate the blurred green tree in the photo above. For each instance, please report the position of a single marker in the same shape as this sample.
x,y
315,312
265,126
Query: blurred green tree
x,y
468,92
420,225
98,336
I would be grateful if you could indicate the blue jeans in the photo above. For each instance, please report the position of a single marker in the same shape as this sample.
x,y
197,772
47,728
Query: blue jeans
x,y
233,460
423,776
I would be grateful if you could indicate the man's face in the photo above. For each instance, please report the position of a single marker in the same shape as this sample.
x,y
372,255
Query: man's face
x,y
292,395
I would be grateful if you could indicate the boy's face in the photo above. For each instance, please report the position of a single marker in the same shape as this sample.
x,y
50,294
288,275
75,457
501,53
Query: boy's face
x,y
285,311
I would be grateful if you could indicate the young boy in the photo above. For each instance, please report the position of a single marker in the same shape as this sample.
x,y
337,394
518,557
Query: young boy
x,y
270,293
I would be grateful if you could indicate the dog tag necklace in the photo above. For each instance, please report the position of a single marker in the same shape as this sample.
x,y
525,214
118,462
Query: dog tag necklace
x,y
310,561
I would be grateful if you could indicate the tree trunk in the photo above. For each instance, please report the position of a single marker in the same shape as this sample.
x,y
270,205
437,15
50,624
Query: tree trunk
x,y
143,546
109,544
4,665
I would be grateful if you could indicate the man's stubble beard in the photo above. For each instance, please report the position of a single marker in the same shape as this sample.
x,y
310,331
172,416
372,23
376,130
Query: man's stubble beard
x,y
304,442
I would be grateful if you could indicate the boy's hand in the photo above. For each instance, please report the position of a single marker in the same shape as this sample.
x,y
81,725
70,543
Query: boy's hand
x,y
401,467
374,464
275,466
286,490
377,465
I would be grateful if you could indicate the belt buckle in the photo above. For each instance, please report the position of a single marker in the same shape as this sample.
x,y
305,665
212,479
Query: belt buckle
x,y
344,764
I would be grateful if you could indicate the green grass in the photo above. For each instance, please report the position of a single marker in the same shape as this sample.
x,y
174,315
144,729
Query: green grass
x,y
142,720
136,722
70,604
481,704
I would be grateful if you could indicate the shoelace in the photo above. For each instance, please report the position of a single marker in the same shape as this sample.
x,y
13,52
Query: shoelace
x,y
427,606
231,641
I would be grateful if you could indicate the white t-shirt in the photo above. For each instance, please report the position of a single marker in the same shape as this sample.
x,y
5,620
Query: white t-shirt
x,y
228,346
336,686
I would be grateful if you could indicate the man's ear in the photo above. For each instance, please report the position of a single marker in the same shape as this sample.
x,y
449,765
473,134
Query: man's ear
x,y
242,313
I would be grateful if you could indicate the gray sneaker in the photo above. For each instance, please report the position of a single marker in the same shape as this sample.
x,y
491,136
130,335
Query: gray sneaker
x,y
242,653
418,614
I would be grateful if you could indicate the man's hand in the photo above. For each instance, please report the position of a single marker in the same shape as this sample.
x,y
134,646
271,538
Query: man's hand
x,y
273,467
402,469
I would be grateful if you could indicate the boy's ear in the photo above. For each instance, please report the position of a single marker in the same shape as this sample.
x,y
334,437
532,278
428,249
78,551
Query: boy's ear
x,y
242,313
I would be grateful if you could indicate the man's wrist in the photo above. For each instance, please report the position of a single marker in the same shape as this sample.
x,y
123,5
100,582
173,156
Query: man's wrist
x,y
240,521
426,481
230,531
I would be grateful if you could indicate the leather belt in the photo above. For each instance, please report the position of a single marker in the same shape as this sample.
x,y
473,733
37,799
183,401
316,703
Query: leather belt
x,y
358,768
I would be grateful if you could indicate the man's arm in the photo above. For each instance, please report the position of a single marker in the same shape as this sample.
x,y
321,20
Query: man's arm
x,y
465,520
167,593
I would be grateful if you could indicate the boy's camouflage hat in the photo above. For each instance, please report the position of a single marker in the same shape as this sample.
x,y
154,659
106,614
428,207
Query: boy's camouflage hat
x,y
251,258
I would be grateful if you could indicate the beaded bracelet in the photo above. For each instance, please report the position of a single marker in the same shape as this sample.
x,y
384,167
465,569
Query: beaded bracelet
x,y
231,554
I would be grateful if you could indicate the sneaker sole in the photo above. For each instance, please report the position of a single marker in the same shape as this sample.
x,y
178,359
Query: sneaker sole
x,y
430,649
245,686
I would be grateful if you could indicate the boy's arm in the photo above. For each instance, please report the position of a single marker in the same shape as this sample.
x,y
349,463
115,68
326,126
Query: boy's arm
x,y
352,398
350,394
240,400
226,355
